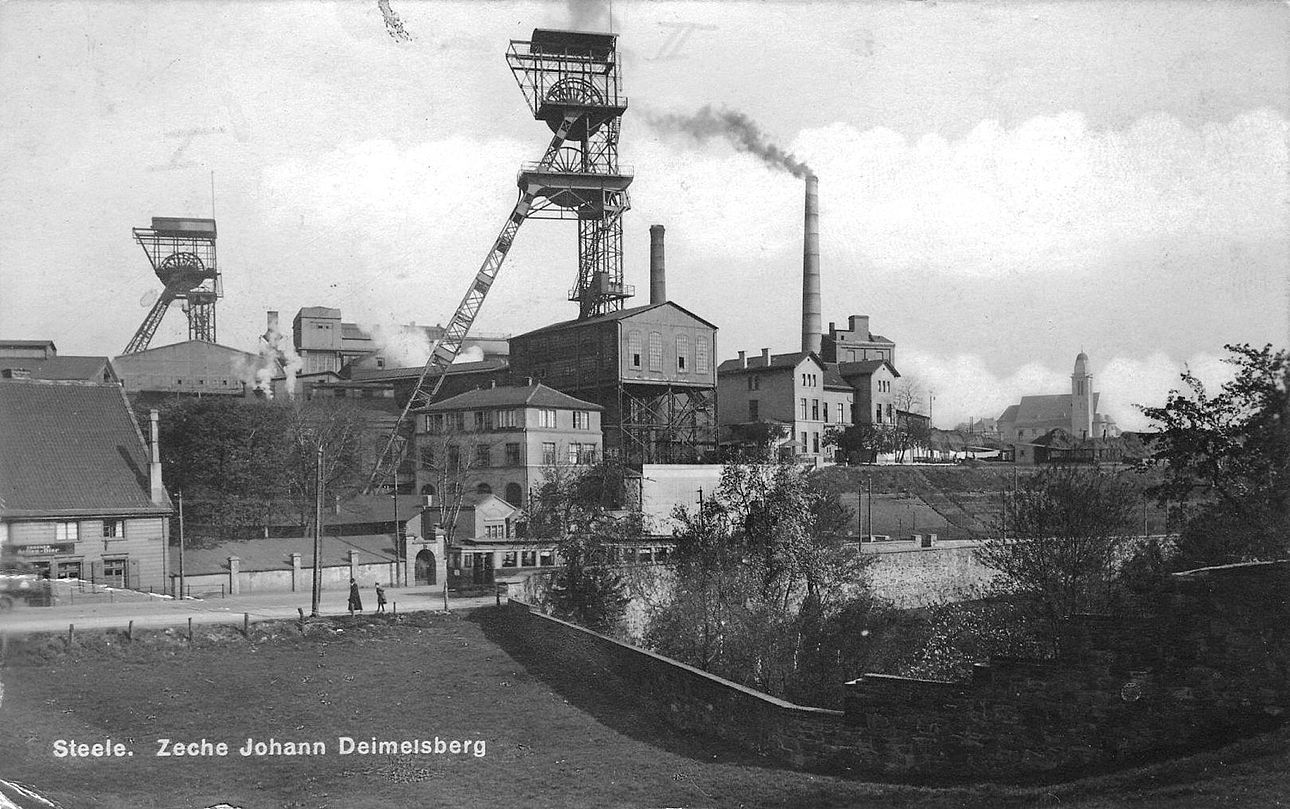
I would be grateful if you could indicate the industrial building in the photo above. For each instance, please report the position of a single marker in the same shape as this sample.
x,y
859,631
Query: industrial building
x,y
39,359
192,368
81,495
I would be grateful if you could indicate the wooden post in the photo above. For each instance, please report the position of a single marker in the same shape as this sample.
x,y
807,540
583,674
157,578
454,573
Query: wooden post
x,y
129,631
395,606
301,611
190,630
246,625
71,635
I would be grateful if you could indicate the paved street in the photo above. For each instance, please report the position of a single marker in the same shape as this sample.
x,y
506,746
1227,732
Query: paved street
x,y
229,610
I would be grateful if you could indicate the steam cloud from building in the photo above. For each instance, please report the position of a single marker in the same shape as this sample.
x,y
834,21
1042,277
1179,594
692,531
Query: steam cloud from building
x,y
737,128
276,351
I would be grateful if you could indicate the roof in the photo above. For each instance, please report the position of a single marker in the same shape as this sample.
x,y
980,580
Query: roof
x,y
275,554
318,311
373,508
864,368
71,449
88,369
27,344
610,316
393,374
758,363
200,346
536,395
832,379
352,331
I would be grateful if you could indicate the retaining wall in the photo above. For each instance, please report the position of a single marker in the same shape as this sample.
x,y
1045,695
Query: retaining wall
x,y
1206,660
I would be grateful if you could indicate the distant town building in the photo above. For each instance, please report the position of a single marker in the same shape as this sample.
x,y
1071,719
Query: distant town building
x,y
39,359
501,440
81,494
1075,413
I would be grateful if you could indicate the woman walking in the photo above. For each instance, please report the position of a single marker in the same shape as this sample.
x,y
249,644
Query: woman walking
x,y
355,600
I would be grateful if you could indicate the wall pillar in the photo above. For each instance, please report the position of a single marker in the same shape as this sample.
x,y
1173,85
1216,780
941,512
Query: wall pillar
x,y
234,575
295,572
353,564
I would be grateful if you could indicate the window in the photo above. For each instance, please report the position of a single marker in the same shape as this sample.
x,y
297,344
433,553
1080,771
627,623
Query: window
x,y
815,443
114,529
457,421
454,457
655,351
483,455
682,352
546,418
67,531
546,558
804,444
574,450
587,455
891,413
512,454
754,409
528,558
509,559
514,494
505,419
826,411
581,420
877,414
483,420
69,570
425,457
815,410
548,453
495,530
634,348
482,489
114,573
434,423
701,355
803,402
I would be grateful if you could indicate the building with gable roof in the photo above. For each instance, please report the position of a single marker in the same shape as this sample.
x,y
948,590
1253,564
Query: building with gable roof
x,y
81,494
1076,413
39,359
501,440
796,390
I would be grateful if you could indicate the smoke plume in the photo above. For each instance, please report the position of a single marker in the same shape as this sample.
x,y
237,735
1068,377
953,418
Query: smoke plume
x,y
737,128
276,352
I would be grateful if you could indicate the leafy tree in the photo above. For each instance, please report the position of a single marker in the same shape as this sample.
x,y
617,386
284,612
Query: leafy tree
x,y
1227,456
761,567
576,508
753,442
860,443
342,430
1064,529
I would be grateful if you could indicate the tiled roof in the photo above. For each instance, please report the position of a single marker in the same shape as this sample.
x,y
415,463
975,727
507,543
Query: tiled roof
x,y
275,554
832,379
69,448
87,369
536,395
757,363
619,315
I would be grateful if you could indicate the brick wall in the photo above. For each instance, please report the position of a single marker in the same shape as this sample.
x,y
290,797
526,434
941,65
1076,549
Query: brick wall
x,y
1205,660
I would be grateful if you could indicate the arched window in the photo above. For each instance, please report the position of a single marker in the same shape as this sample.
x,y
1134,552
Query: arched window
x,y
682,353
701,355
483,488
514,494
655,351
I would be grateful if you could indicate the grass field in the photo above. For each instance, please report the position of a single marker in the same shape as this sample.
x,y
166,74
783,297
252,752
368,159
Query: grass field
x,y
552,737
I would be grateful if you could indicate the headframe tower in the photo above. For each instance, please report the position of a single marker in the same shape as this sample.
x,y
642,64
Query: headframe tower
x,y
182,253
573,74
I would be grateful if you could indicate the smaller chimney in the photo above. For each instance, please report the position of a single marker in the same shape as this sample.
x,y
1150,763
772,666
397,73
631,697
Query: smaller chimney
x,y
743,359
272,322
657,272
765,357
157,491
17,373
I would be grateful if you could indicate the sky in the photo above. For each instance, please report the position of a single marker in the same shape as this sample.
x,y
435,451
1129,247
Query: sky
x,y
1002,185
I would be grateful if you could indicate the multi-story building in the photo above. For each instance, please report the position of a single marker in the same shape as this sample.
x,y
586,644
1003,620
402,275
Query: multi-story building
x,y
795,390
502,440
39,359
856,343
81,495
874,383
193,368
652,368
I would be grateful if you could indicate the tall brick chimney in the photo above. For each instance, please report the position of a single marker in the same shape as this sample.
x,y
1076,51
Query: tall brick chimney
x,y
811,268
157,491
657,272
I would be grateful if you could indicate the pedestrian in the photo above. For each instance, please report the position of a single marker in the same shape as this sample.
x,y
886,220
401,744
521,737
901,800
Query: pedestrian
x,y
355,600
380,597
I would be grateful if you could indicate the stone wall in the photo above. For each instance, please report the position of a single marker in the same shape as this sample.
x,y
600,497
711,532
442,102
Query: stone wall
x,y
1206,659
907,575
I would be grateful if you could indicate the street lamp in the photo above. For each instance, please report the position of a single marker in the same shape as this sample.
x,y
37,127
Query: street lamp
x,y
180,497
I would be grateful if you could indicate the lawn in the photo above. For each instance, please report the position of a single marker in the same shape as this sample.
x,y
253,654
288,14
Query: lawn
x,y
550,737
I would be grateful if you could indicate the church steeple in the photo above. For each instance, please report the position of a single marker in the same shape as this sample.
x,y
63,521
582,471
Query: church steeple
x,y
1081,398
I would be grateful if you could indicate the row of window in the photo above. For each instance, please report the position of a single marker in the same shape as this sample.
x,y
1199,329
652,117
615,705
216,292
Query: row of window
x,y
546,557
112,572
576,452
683,361
488,420
884,386
70,531
810,380
840,410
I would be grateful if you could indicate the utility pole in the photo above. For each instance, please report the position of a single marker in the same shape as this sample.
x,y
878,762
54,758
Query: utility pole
x,y
318,499
869,514
180,497
398,533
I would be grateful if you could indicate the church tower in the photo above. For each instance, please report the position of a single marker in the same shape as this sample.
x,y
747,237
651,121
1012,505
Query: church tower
x,y
1081,399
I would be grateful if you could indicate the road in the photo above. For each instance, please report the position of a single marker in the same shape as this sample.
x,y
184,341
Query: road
x,y
160,612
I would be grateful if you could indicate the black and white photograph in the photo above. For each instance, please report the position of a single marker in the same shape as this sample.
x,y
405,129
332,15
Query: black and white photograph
x,y
663,404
